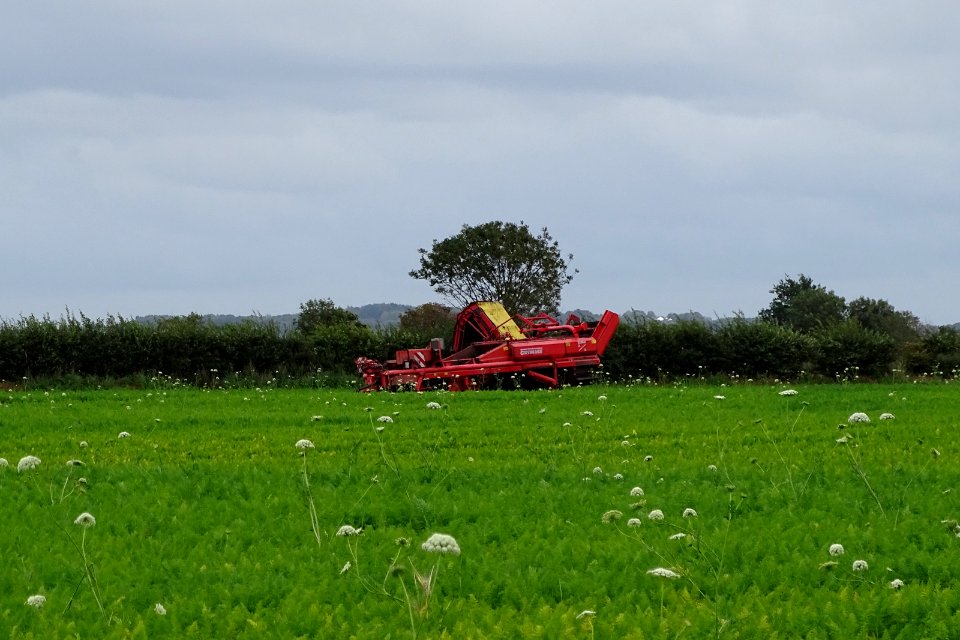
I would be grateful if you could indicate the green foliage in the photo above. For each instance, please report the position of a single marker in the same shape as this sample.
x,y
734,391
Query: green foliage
x,y
761,349
430,320
204,509
882,317
936,354
849,347
320,314
804,306
500,261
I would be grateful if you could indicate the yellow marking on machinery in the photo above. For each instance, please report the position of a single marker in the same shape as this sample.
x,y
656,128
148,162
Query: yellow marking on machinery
x,y
499,316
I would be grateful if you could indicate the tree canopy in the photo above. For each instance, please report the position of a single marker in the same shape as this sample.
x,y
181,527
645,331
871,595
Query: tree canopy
x,y
803,305
498,261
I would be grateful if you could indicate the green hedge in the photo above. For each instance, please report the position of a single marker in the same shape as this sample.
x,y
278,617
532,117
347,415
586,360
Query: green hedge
x,y
191,349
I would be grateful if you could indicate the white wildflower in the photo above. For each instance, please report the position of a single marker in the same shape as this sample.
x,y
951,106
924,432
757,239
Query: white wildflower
x,y
566,424
159,609
28,462
611,516
636,491
587,413
618,476
75,463
83,444
348,530
842,440
36,601
384,419
433,405
678,536
656,514
788,392
712,468
123,434
380,429
345,568
85,520
441,543
836,549
647,458
690,513
542,411
3,463
634,522
316,418
896,584
602,398
597,470
860,565
304,444
887,416
859,416
663,573
586,613
626,443
719,397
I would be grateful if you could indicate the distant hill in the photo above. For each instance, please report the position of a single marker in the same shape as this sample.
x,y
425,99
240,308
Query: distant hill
x,y
386,314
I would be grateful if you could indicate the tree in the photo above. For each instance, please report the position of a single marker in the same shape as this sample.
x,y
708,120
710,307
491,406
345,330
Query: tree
x,y
316,314
430,318
497,261
804,306
880,316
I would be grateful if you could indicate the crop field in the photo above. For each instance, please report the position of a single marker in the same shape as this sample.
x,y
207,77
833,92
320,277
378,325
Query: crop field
x,y
695,510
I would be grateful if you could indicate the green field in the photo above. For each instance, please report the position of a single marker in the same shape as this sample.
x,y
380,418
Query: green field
x,y
209,510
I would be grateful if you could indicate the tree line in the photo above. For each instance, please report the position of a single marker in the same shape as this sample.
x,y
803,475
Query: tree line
x,y
807,331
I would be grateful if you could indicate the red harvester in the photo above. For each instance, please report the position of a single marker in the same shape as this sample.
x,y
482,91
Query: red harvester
x,y
492,349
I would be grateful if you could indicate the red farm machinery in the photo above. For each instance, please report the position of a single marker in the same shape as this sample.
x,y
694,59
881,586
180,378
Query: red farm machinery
x,y
493,350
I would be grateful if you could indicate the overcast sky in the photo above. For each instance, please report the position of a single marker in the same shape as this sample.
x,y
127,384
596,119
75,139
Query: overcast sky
x,y
168,157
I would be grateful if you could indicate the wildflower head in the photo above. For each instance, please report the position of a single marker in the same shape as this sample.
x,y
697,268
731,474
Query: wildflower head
x,y
689,513
441,543
634,522
602,398
788,392
586,613
611,516
3,463
836,549
345,567
663,572
384,419
860,565
597,471
85,520
123,434
656,514
618,476
859,416
587,413
433,405
28,462
896,584
159,609
712,468
36,601
75,463
348,530
678,536
648,458
304,444
887,416
636,491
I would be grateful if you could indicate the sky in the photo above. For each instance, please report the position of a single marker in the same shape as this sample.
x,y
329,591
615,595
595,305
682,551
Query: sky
x,y
170,157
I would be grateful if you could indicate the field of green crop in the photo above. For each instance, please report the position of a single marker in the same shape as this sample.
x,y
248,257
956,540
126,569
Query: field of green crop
x,y
603,512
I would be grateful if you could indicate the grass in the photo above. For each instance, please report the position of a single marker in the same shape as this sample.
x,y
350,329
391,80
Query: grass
x,y
209,509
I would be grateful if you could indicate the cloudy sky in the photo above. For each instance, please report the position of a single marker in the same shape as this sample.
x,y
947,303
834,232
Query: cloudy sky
x,y
164,156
